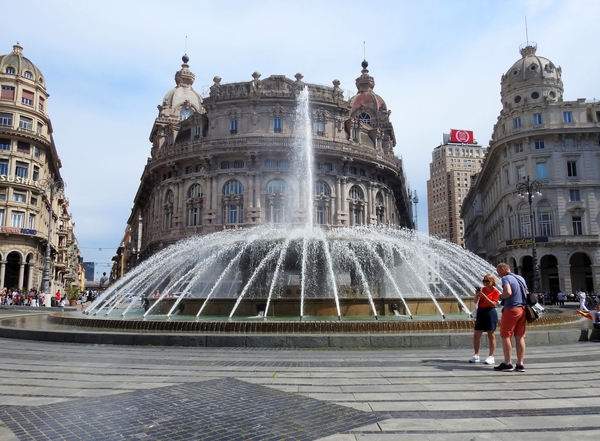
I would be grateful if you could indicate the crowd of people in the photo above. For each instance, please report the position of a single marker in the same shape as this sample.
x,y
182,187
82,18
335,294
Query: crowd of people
x,y
37,298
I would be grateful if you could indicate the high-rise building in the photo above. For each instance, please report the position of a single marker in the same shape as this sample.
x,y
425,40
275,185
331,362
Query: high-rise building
x,y
31,186
540,179
453,163
223,161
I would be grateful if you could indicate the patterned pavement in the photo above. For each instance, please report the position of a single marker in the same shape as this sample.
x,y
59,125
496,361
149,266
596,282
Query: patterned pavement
x,y
57,391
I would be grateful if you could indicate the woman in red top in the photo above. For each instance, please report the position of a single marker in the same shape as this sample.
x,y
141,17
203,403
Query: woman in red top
x,y
487,299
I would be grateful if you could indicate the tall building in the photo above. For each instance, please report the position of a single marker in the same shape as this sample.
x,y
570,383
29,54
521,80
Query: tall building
x,y
453,163
224,160
29,163
553,145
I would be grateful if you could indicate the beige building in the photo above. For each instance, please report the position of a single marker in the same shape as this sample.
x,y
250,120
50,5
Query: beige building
x,y
225,160
451,169
28,162
545,140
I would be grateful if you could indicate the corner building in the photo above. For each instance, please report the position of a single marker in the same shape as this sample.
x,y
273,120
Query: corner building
x,y
225,160
556,143
28,161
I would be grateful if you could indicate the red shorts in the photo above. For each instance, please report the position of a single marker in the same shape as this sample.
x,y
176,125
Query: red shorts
x,y
513,322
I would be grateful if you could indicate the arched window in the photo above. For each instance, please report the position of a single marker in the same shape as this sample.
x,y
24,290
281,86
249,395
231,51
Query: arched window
x,y
546,227
276,199
168,209
322,200
357,205
233,202
194,204
379,208
185,114
365,118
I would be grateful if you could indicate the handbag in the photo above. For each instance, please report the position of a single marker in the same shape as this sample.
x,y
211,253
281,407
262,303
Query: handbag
x,y
531,314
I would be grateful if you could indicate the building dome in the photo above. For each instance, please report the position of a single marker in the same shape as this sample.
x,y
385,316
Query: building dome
x,y
22,66
531,78
182,101
366,102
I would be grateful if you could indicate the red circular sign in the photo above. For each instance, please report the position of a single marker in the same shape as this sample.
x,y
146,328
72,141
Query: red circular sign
x,y
462,136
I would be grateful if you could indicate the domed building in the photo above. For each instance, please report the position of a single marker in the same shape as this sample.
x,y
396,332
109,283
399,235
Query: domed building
x,y
225,160
31,185
535,203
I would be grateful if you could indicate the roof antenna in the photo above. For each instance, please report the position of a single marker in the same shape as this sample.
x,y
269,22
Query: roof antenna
x,y
185,52
364,50
526,32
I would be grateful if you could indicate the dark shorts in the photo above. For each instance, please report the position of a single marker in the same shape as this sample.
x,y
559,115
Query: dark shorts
x,y
487,319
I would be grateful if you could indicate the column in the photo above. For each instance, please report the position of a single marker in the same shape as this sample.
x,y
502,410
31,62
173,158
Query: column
x,y
257,185
2,273
21,274
564,278
250,197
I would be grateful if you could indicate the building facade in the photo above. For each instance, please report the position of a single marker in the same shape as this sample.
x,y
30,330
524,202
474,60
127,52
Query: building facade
x,y
225,161
542,139
451,169
29,162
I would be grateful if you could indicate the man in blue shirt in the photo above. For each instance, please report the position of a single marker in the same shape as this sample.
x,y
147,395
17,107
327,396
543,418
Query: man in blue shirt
x,y
513,321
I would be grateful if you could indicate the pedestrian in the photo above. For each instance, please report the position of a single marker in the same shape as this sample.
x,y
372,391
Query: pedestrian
x,y
595,316
486,299
561,298
513,321
582,300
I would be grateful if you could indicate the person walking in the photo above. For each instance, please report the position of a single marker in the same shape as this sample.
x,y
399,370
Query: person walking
x,y
582,300
486,299
513,321
561,298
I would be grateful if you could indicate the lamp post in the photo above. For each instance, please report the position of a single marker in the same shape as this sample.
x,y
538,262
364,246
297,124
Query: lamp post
x,y
51,186
527,187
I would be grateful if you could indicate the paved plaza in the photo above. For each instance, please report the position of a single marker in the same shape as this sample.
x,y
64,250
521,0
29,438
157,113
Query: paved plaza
x,y
62,391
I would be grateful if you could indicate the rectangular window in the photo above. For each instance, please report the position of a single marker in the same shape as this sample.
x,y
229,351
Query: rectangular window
x,y
31,224
19,197
238,164
574,195
36,173
22,170
320,128
3,195
545,220
4,144
233,126
520,172
17,219
6,119
519,148
511,227
23,147
3,167
189,170
541,171
36,152
27,97
269,163
40,128
571,169
577,226
33,201
506,178
567,117
25,123
277,125
516,123
8,93
1,218
320,214
537,119
41,103
283,164
525,226
539,144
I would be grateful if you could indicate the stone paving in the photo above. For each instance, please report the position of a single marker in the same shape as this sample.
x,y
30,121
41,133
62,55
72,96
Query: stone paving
x,y
60,391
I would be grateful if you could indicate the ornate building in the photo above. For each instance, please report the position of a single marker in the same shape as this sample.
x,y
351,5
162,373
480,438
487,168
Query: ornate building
x,y
540,139
225,160
29,163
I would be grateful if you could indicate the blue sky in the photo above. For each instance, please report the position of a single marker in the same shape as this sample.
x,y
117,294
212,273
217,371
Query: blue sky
x,y
437,64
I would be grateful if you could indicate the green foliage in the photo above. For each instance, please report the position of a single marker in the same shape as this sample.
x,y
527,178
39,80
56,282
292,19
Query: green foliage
x,y
72,293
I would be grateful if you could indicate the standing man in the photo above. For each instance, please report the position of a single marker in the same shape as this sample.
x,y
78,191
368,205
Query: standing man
x,y
513,318
582,297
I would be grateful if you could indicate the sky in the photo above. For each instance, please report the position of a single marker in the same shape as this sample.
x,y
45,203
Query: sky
x,y
436,63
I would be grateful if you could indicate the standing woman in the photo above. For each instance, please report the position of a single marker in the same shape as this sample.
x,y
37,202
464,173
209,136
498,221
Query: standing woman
x,y
486,299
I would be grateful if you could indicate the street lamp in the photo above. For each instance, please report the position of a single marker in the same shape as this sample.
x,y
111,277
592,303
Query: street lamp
x,y
52,186
527,187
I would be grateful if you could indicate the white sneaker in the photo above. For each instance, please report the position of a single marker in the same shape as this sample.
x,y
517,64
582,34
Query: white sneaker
x,y
490,360
474,359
